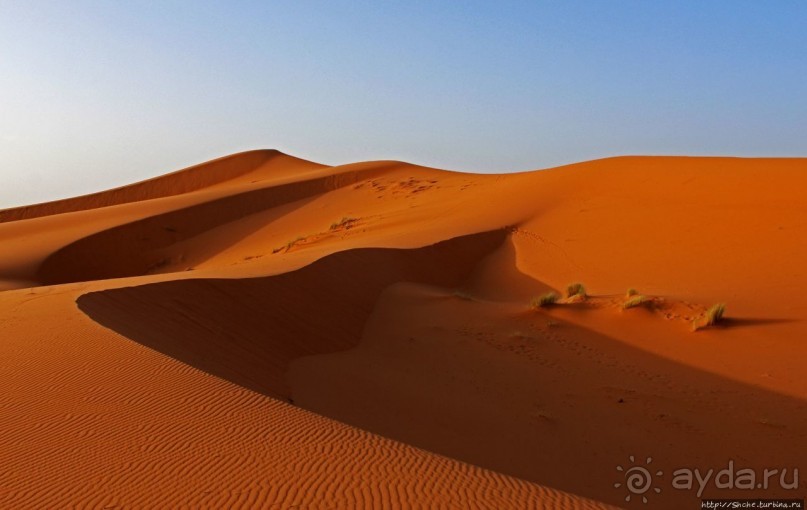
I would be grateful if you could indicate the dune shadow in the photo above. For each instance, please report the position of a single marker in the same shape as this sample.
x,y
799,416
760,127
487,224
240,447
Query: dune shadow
x,y
248,330
742,322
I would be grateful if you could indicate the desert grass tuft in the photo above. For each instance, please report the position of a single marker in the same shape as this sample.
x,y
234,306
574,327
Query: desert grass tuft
x,y
545,301
714,315
636,300
575,289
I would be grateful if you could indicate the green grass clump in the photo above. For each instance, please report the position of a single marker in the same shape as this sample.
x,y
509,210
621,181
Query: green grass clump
x,y
636,300
575,289
714,315
545,301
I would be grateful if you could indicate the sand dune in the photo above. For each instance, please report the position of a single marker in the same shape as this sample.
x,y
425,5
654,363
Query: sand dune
x,y
243,167
234,334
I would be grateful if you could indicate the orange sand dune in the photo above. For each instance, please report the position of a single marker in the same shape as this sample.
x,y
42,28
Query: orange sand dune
x,y
243,167
394,299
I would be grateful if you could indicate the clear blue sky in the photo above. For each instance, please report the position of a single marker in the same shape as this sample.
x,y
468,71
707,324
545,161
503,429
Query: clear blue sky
x,y
98,94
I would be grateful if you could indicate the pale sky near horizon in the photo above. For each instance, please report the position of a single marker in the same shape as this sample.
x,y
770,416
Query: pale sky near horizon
x,y
100,94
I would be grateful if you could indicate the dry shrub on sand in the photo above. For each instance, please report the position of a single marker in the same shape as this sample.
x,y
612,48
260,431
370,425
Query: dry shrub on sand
x,y
545,301
575,289
636,300
713,315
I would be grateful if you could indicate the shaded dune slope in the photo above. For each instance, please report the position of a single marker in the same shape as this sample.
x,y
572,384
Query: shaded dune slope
x,y
248,330
231,168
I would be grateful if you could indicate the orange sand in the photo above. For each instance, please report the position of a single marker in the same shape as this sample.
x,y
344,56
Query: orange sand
x,y
262,330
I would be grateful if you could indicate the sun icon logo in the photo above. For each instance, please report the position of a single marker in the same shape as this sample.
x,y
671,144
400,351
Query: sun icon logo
x,y
638,479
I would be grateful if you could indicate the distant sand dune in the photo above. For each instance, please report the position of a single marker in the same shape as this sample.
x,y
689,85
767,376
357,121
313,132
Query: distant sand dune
x,y
234,168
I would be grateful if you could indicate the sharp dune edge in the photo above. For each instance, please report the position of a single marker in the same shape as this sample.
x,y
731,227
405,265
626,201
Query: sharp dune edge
x,y
263,331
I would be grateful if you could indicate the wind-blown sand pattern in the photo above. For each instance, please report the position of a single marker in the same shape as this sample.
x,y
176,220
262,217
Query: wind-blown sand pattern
x,y
265,332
